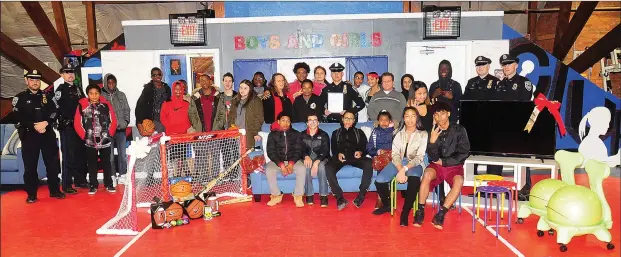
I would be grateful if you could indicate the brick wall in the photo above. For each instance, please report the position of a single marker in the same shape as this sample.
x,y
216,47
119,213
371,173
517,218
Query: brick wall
x,y
598,25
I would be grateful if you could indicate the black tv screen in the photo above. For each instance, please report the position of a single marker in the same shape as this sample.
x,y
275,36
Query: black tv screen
x,y
497,128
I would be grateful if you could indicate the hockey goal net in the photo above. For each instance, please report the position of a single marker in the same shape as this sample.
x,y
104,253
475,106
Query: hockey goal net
x,y
198,157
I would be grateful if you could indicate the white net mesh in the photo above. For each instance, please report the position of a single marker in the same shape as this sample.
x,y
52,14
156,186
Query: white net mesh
x,y
201,157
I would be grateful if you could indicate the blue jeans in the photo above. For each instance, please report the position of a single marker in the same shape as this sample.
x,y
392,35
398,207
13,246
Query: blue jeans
x,y
119,141
322,179
390,171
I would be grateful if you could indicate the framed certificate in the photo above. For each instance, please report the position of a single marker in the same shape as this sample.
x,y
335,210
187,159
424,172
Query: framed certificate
x,y
335,102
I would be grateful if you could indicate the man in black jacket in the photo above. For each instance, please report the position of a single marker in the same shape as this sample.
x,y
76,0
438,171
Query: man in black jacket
x,y
349,148
352,101
71,145
448,149
149,104
307,103
445,89
285,152
316,143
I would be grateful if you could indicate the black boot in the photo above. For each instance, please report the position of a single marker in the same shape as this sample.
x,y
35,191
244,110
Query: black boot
x,y
383,190
410,198
359,199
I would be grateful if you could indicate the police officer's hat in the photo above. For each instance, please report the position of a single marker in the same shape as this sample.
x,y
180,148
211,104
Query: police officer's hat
x,y
337,67
32,74
482,60
67,68
508,59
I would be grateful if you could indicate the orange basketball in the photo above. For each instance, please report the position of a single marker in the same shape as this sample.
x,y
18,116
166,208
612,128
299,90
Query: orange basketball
x,y
159,216
195,209
174,212
147,127
181,189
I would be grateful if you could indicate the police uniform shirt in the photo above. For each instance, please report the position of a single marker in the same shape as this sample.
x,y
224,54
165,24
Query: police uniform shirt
x,y
352,100
67,96
479,88
35,107
515,88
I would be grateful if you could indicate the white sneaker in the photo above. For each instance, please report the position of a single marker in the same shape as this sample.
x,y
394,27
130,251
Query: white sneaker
x,y
121,180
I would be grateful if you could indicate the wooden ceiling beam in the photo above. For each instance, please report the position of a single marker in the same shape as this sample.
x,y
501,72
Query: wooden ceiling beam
x,y
61,23
580,18
91,25
561,24
24,59
597,51
218,7
532,21
45,27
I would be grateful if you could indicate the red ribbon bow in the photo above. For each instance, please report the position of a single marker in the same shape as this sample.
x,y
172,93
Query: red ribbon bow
x,y
542,102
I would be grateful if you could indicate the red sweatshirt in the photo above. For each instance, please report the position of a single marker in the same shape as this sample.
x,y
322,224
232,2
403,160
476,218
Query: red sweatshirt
x,y
174,116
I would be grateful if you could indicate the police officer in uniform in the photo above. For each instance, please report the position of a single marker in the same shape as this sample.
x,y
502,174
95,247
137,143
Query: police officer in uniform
x,y
513,86
36,111
483,86
352,100
72,146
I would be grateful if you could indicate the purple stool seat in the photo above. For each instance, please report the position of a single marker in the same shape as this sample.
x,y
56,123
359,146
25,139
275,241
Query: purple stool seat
x,y
488,191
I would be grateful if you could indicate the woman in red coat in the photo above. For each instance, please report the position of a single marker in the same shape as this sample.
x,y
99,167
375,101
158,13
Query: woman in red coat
x,y
174,115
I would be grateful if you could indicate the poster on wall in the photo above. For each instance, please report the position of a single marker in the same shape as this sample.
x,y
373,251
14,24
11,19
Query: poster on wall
x,y
173,68
200,66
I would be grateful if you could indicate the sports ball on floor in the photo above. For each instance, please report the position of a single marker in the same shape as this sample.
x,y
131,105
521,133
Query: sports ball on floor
x,y
148,127
181,189
174,212
194,208
159,216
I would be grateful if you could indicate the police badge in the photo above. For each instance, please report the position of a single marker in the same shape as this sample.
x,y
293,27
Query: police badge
x,y
489,84
15,100
514,86
528,85
313,105
44,100
57,95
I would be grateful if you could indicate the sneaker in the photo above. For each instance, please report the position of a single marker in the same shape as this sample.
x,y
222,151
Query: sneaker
x,y
274,200
419,216
92,191
380,211
341,203
111,189
31,199
297,199
378,203
438,220
324,201
58,195
70,191
359,200
309,200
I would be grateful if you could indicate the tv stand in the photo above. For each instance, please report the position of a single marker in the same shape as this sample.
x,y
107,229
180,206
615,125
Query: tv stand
x,y
519,165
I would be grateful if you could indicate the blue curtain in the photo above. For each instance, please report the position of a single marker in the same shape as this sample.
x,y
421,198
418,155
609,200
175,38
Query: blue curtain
x,y
366,64
245,69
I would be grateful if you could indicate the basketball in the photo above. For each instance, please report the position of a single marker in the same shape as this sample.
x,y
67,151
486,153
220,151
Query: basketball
x,y
174,212
181,190
195,208
147,128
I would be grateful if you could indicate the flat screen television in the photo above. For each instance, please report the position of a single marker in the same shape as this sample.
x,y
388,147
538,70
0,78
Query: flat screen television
x,y
497,128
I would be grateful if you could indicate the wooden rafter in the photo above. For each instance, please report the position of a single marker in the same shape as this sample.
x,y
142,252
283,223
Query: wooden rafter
x,y
532,21
561,24
218,7
574,28
25,59
61,23
91,25
45,27
597,51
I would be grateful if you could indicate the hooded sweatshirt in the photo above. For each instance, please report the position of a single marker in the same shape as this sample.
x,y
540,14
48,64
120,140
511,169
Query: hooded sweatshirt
x,y
447,84
174,115
118,101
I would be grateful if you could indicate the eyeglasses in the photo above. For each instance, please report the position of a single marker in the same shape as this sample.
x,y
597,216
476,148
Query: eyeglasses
x,y
348,118
313,121
156,75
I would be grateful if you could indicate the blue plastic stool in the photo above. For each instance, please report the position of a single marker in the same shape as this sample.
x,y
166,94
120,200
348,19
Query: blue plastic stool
x,y
488,191
436,191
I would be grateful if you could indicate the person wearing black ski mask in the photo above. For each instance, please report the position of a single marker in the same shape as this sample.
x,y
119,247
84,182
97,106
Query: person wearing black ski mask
x,y
446,90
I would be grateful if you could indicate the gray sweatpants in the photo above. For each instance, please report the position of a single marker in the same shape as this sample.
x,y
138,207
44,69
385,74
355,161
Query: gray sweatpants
x,y
271,170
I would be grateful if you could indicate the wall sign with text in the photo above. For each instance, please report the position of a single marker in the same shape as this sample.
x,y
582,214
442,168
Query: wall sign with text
x,y
441,22
304,40
187,29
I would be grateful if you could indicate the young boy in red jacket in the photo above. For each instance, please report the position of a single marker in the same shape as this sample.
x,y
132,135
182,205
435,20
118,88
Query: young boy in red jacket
x,y
174,115
95,123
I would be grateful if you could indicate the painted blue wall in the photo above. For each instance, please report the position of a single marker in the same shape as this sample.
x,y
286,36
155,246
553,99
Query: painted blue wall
x,y
258,9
